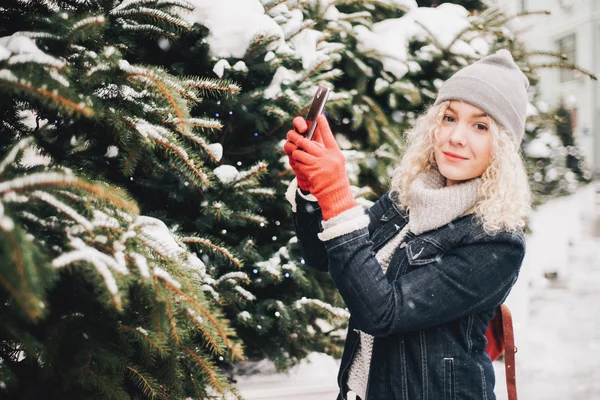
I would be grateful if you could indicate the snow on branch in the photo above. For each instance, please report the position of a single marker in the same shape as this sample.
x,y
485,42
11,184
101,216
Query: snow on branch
x,y
102,220
154,13
204,123
251,173
208,86
98,20
233,276
107,276
37,179
59,205
186,5
335,311
258,219
136,27
127,4
232,32
36,59
60,179
142,264
245,293
24,50
12,154
68,104
148,129
208,243
165,276
268,192
272,266
157,236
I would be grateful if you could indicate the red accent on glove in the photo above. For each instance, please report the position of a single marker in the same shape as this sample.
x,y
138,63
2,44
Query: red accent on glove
x,y
323,163
289,147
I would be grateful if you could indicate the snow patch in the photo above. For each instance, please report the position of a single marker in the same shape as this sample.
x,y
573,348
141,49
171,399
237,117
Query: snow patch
x,y
226,173
233,24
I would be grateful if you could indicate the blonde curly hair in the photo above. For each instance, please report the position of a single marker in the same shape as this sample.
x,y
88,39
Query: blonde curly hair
x,y
504,193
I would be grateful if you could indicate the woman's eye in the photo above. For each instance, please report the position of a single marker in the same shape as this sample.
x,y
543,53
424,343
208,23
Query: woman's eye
x,y
480,127
448,118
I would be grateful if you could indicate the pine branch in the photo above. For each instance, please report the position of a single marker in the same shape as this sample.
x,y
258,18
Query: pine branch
x,y
205,365
153,13
211,342
203,311
204,123
22,294
573,67
305,25
147,75
245,177
145,384
145,28
207,243
210,87
144,336
172,322
68,105
547,53
181,4
505,20
53,179
86,22
14,152
254,218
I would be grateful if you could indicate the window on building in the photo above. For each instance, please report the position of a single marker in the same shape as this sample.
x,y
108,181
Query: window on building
x,y
566,46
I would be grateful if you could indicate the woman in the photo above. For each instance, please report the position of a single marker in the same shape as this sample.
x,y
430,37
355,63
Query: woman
x,y
423,269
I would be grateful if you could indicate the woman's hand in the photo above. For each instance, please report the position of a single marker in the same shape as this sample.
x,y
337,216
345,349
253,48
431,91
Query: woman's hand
x,y
289,147
322,163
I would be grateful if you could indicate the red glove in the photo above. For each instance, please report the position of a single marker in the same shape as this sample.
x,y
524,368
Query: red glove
x,y
324,165
289,147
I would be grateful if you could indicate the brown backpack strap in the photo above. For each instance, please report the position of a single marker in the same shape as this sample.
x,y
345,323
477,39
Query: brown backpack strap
x,y
509,353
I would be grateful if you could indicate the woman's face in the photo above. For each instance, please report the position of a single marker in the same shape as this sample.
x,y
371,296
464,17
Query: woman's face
x,y
463,148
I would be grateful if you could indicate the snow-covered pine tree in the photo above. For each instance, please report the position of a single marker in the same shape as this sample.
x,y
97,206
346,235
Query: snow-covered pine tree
x,y
277,58
97,300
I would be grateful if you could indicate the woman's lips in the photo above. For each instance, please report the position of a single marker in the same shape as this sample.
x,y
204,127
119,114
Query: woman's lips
x,y
453,157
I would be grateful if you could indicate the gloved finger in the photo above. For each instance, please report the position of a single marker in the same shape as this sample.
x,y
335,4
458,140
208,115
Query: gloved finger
x,y
317,137
313,148
304,158
325,133
294,137
300,124
289,147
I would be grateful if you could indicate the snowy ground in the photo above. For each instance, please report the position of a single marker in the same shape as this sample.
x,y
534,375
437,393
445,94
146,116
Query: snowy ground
x,y
557,320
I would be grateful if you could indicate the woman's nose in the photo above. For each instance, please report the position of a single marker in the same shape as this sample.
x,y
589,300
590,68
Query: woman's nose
x,y
459,135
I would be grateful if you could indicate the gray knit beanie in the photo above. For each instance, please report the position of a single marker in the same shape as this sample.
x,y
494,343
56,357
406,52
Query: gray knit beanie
x,y
496,85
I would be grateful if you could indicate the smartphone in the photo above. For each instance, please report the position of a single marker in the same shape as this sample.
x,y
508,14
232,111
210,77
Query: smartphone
x,y
316,108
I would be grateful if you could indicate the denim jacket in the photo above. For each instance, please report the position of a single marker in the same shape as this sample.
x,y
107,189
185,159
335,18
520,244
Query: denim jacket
x,y
429,312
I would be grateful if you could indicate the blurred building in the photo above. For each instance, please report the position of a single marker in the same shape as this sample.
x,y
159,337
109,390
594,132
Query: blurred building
x,y
573,28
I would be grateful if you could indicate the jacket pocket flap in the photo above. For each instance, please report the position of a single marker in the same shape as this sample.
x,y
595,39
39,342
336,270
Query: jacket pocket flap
x,y
422,252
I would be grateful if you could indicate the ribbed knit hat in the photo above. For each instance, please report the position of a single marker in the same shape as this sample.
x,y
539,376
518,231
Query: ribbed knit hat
x,y
496,85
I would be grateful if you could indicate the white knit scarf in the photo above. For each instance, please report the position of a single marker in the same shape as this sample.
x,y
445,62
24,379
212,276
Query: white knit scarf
x,y
433,204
